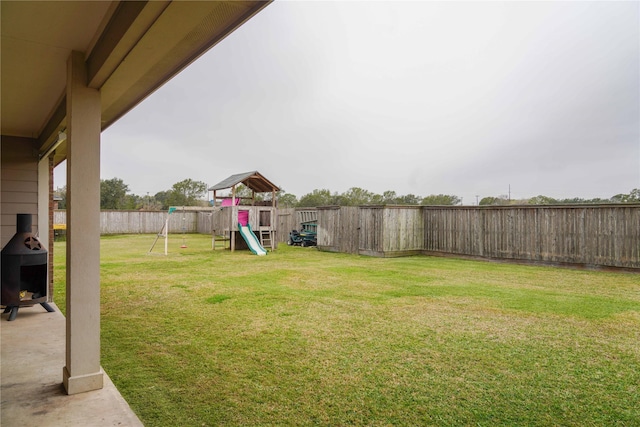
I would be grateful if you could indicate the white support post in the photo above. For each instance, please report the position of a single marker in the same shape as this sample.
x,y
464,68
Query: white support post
x,y
82,371
166,236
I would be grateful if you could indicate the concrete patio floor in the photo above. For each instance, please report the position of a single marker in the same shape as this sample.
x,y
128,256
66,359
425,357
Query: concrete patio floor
x,y
32,359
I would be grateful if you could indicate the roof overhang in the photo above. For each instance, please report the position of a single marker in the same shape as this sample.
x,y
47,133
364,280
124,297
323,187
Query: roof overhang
x,y
131,48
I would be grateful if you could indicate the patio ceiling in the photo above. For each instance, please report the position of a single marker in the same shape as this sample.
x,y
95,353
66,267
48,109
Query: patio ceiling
x,y
131,48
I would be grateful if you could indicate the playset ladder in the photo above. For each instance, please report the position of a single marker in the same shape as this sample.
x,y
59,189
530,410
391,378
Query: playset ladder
x,y
265,239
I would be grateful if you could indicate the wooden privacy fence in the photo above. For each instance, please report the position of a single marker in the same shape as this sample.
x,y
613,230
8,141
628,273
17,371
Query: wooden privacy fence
x,y
591,235
371,230
338,228
151,222
143,222
605,235
598,235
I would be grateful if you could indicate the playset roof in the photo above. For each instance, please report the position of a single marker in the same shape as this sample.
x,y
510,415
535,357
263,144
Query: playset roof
x,y
254,180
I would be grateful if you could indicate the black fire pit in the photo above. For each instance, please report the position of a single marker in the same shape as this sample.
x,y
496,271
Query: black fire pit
x,y
24,270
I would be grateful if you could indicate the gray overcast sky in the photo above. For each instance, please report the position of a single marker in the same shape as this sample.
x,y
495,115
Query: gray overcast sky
x,y
462,98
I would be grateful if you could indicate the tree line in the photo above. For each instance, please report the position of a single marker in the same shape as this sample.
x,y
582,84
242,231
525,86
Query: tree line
x,y
632,197
115,194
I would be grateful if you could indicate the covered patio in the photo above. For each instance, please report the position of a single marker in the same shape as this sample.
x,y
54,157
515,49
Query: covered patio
x,y
69,71
32,391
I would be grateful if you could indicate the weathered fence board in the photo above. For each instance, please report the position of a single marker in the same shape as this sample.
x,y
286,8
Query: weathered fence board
x,y
329,228
338,228
371,233
349,224
286,222
390,231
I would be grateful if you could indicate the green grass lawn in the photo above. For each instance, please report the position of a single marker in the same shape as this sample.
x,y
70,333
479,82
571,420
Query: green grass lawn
x,y
302,337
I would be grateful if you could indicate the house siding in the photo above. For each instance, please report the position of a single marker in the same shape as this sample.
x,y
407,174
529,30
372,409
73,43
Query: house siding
x,y
18,183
